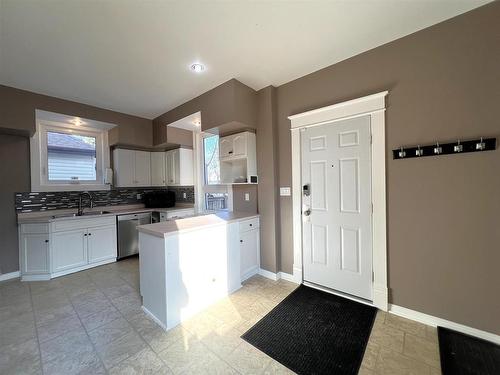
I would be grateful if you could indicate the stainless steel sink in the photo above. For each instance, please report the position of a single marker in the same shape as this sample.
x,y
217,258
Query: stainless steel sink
x,y
89,213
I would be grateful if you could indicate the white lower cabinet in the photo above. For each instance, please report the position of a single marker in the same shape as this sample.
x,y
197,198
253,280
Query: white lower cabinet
x,y
35,253
101,244
69,249
249,248
63,247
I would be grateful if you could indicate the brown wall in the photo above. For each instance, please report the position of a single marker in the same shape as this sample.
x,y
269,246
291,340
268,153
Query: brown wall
x,y
17,113
443,237
225,104
267,165
239,202
15,172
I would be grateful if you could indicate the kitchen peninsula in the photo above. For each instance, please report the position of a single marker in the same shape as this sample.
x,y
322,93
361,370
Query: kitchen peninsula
x,y
188,264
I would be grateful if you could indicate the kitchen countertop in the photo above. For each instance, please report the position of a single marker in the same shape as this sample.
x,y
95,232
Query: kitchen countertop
x,y
47,216
168,228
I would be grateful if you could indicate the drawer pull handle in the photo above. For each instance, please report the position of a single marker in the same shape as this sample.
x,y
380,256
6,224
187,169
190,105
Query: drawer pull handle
x,y
90,234
241,241
251,224
46,241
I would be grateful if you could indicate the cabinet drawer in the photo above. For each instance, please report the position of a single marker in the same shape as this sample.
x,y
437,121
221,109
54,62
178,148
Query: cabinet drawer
x,y
250,224
177,214
70,224
34,228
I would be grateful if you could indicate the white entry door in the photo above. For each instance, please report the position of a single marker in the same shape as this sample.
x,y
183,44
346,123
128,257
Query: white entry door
x,y
336,206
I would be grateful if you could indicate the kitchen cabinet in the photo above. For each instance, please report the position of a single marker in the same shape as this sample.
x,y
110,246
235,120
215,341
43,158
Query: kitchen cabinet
x,y
66,246
158,169
34,253
238,159
176,214
101,243
249,248
132,168
69,249
179,167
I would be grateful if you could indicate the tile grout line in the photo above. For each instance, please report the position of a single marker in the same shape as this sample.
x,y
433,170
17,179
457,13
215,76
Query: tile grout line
x,y
36,330
85,329
134,329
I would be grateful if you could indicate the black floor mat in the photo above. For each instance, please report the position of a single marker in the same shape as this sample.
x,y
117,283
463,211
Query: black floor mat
x,y
467,355
314,332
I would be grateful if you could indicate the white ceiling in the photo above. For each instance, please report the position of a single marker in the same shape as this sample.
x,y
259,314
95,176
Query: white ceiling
x,y
134,56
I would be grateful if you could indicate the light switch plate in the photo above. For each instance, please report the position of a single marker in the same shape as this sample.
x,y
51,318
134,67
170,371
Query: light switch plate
x,y
138,196
285,191
247,196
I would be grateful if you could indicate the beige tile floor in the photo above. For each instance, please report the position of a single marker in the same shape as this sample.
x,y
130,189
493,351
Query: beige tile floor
x,y
91,323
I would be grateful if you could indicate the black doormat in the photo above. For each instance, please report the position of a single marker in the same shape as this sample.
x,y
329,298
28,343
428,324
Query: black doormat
x,y
314,332
467,355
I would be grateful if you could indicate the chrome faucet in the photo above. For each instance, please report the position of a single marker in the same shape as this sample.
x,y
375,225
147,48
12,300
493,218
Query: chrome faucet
x,y
80,202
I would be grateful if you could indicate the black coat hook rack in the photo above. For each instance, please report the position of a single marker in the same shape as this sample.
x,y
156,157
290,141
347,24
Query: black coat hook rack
x,y
458,147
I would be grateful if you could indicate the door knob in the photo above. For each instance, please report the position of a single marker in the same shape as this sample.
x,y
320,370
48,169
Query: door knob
x,y
307,212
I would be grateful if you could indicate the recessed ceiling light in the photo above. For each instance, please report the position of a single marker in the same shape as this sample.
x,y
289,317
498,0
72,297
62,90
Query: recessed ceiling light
x,y
197,67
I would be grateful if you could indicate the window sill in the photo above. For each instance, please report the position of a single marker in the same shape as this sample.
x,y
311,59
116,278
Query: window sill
x,y
70,187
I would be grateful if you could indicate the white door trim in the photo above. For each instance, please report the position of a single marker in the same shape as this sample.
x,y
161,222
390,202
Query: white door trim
x,y
374,106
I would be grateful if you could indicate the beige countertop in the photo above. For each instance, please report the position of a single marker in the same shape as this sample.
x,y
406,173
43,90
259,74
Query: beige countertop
x,y
48,216
172,227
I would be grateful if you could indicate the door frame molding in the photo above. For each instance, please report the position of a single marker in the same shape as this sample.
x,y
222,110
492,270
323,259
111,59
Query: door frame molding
x,y
373,106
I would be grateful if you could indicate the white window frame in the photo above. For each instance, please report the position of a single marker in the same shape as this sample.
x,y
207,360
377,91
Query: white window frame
x,y
39,159
201,187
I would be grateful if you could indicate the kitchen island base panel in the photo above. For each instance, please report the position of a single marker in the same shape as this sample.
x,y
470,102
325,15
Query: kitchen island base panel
x,y
185,273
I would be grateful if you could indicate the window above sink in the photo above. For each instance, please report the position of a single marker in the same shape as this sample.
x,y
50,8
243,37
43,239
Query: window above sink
x,y
68,153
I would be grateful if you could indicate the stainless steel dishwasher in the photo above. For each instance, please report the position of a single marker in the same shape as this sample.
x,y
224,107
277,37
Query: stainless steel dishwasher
x,y
128,236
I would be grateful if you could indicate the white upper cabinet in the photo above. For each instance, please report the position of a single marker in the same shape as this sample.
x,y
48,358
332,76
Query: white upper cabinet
x,y
132,168
236,145
158,169
142,168
238,160
179,167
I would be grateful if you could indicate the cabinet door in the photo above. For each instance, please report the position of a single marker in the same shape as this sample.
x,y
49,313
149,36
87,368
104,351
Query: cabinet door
x,y
124,164
175,166
69,249
170,168
226,147
249,252
101,243
142,168
158,169
240,145
186,167
35,253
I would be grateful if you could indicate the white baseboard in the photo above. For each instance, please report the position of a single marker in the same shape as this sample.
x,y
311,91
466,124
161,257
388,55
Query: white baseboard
x,y
435,321
280,275
251,273
10,275
268,274
154,318
41,277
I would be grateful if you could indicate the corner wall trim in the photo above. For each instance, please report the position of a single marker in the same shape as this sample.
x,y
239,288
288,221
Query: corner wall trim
x,y
10,275
434,321
280,275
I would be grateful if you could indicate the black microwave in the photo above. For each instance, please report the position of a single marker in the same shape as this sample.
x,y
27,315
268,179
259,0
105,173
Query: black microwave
x,y
159,199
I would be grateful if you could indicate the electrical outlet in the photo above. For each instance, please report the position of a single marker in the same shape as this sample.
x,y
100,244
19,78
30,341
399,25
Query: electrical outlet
x,y
184,195
247,196
138,196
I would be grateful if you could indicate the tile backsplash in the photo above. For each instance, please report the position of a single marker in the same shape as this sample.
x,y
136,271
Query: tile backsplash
x,y
42,201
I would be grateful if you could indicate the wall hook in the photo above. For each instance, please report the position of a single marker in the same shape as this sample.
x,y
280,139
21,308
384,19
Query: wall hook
x,y
480,145
402,152
438,149
458,147
419,151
